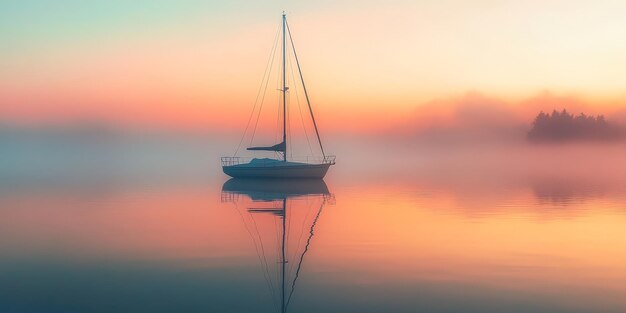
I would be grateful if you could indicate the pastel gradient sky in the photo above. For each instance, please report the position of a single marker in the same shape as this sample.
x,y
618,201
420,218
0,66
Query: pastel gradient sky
x,y
197,64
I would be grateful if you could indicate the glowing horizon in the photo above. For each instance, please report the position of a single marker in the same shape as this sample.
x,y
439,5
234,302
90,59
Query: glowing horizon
x,y
193,65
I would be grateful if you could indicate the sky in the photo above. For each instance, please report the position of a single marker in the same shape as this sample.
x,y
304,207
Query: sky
x,y
368,65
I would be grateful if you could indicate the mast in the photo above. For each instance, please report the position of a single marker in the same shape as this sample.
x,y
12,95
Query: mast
x,y
283,261
284,89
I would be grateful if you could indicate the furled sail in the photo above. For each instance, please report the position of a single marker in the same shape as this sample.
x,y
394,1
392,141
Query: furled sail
x,y
277,147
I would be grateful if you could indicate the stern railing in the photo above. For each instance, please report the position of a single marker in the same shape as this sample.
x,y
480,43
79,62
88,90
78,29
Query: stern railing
x,y
329,159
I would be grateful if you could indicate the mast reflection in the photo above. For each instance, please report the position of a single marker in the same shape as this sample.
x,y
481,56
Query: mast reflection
x,y
288,209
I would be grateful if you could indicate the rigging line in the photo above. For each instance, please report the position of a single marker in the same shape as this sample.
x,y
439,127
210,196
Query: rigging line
x,y
258,254
306,248
288,230
306,135
272,289
306,217
277,129
289,134
306,94
288,226
296,247
289,269
279,108
286,110
288,240
277,232
263,97
272,52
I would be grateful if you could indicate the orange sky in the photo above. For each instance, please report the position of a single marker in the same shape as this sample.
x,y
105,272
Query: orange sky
x,y
189,66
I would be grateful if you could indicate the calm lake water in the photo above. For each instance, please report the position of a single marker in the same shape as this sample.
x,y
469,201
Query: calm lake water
x,y
141,236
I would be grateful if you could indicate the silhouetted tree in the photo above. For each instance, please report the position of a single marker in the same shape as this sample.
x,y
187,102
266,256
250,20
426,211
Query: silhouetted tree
x,y
563,126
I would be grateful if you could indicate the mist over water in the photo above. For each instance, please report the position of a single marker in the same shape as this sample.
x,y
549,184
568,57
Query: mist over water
x,y
479,156
142,224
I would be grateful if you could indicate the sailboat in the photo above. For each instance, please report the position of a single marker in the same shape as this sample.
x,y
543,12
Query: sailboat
x,y
281,166
292,208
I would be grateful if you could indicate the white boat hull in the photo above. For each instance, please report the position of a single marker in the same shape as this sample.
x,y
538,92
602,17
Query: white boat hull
x,y
289,171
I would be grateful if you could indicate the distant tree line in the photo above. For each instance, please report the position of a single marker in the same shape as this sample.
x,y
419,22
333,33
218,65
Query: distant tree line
x,y
563,126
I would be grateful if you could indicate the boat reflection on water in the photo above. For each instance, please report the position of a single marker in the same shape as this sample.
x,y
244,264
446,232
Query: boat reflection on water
x,y
280,216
